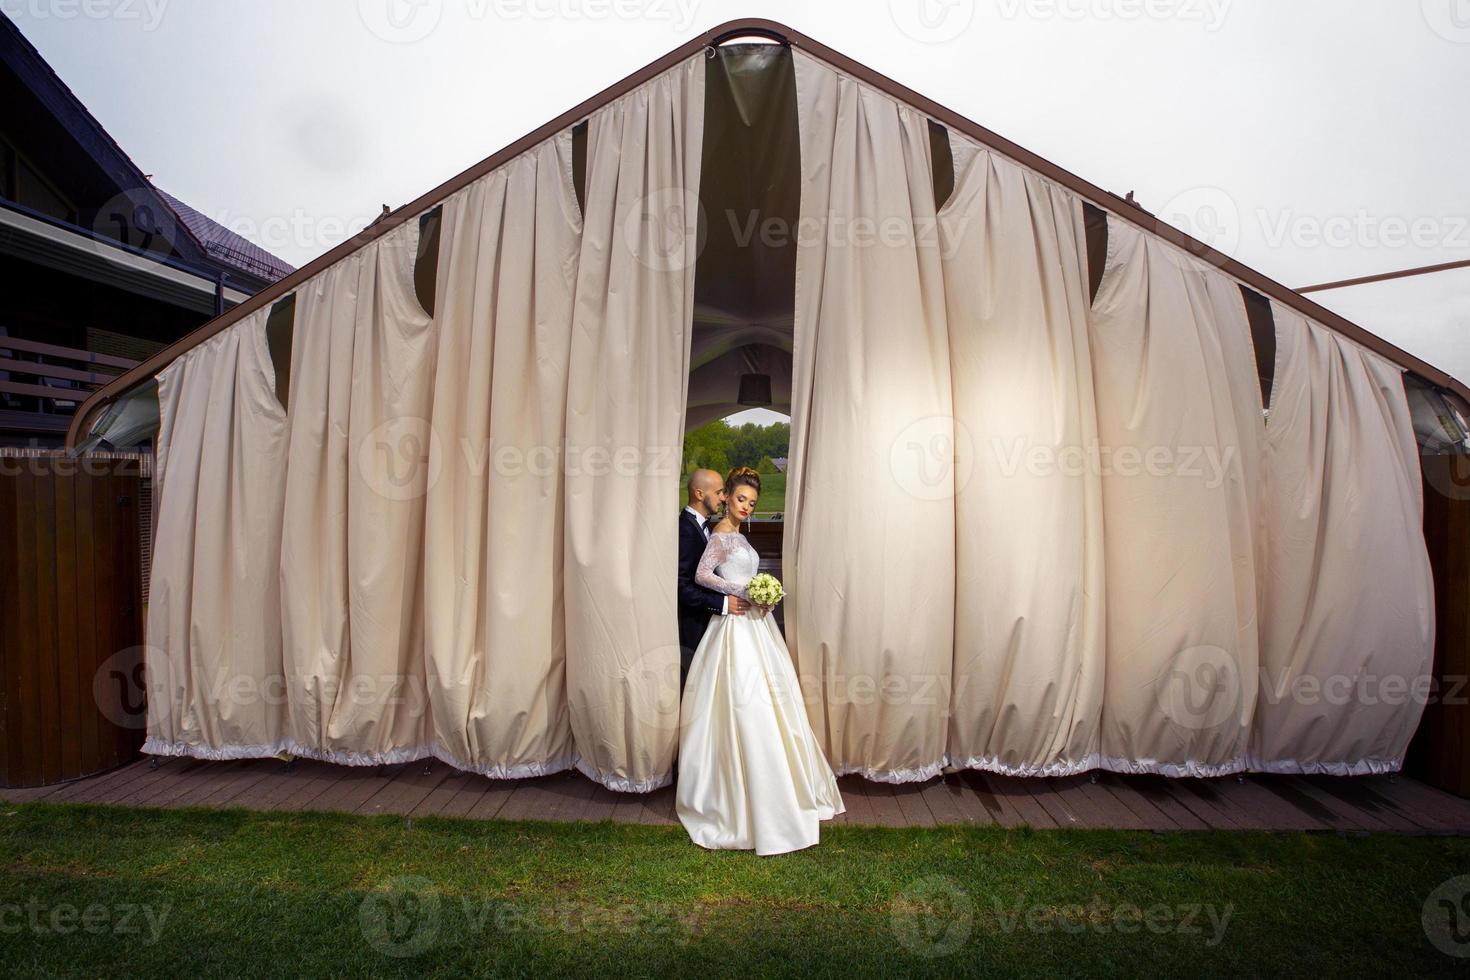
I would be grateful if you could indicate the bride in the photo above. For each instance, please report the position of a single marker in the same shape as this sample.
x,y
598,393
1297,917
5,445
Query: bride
x,y
751,774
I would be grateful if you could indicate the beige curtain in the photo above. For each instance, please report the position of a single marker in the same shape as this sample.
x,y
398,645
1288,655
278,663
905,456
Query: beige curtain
x,y
494,633
1028,648
628,374
357,470
1179,423
870,525
1347,626
214,656
439,498
1022,534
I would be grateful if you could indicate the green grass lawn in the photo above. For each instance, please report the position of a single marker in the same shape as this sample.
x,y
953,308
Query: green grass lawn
x,y
96,890
773,494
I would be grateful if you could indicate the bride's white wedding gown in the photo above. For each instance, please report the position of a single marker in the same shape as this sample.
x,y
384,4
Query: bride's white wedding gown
x,y
751,774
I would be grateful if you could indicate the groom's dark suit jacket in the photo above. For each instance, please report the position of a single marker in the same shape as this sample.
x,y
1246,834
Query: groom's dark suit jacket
x,y
696,603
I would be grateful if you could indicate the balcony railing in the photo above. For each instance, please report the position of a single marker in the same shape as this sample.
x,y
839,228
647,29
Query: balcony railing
x,y
42,384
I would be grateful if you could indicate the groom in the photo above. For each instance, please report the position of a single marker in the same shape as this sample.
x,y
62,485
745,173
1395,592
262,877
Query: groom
x,y
696,603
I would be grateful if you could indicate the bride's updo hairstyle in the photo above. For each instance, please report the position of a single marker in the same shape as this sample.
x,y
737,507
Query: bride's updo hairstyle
x,y
743,476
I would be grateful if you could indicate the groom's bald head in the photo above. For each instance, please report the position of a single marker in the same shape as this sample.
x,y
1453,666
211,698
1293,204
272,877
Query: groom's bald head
x,y
706,487
706,481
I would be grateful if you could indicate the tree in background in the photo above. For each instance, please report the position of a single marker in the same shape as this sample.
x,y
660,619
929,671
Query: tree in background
x,y
756,442
709,446
720,446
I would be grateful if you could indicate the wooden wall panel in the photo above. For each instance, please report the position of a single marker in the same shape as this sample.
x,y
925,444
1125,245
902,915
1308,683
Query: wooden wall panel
x,y
1438,754
71,600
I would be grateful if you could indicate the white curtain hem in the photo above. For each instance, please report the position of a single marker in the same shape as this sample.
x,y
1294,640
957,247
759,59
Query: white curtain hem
x,y
919,775
157,746
1174,770
1202,770
618,784
1363,767
1059,768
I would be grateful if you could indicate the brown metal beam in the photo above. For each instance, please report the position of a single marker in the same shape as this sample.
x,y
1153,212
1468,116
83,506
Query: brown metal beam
x,y
1106,200
1423,270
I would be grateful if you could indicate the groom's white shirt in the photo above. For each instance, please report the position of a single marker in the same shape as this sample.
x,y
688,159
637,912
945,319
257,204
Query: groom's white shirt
x,y
725,604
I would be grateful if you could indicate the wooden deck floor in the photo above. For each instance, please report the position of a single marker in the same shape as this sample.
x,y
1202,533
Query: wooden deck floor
x,y
1287,803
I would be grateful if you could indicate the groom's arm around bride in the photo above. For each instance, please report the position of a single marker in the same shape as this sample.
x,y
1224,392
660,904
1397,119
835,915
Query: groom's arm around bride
x,y
697,603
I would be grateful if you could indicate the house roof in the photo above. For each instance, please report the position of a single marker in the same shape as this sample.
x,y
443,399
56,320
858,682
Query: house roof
x,y
1109,202
225,246
203,242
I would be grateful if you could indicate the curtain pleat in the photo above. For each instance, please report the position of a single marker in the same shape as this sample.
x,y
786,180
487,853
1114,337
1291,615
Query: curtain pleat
x,y
626,388
213,663
870,522
1179,421
1347,602
357,473
1029,611
494,633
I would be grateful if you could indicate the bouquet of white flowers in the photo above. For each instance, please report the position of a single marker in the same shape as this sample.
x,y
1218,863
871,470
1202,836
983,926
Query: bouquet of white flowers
x,y
765,590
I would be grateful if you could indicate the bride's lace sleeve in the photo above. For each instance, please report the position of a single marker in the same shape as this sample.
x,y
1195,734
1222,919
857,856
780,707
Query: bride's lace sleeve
x,y
715,553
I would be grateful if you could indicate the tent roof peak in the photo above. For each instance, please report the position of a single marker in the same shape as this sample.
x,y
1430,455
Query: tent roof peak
x,y
772,30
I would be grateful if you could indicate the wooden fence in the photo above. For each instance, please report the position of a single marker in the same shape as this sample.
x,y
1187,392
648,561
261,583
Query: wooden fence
x,y
70,642
1440,753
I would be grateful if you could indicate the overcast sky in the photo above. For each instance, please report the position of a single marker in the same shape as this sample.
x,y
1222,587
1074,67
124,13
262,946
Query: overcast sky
x,y
1315,140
